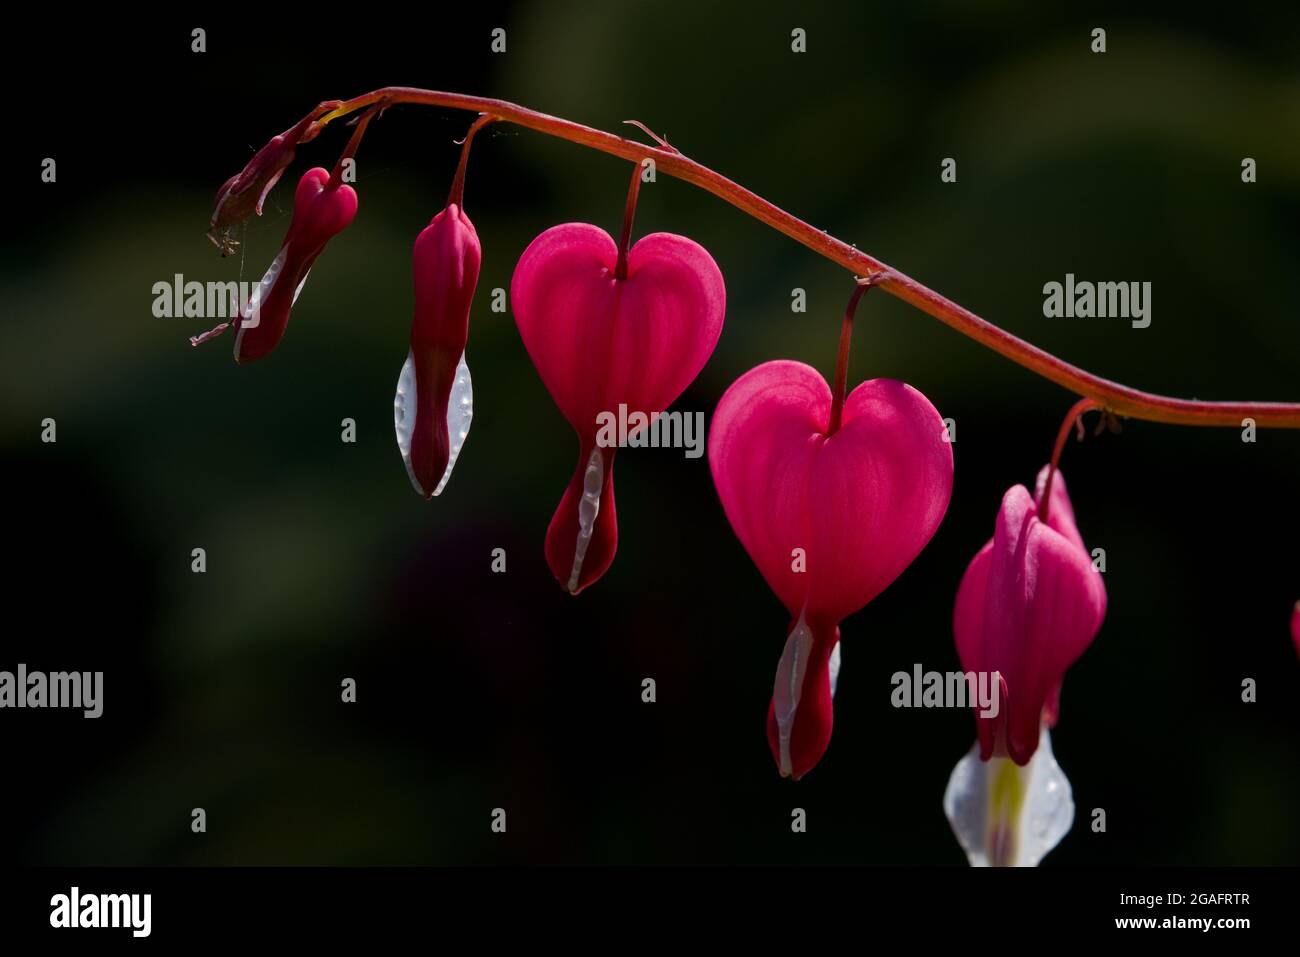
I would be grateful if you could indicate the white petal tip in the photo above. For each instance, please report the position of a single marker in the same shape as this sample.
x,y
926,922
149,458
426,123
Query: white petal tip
x,y
460,412
1006,815
788,689
593,482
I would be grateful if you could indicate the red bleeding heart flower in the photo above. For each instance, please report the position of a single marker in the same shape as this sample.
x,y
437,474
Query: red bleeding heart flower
x,y
1028,606
831,507
322,208
606,329
434,404
435,397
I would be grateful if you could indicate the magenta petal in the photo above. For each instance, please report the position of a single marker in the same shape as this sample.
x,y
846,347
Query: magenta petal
x,y
1060,512
763,441
598,341
320,212
879,491
446,268
860,505
1028,606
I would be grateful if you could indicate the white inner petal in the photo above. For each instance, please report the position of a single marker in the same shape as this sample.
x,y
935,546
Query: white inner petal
x,y
251,312
1002,813
593,481
460,412
790,671
404,407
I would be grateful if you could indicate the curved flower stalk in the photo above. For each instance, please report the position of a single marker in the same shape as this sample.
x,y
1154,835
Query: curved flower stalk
x,y
609,327
1113,396
1029,604
832,498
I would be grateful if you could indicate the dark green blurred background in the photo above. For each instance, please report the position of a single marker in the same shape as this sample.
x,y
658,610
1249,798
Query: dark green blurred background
x,y
479,690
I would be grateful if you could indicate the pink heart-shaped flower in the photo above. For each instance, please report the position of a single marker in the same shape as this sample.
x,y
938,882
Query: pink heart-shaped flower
x,y
600,342
830,521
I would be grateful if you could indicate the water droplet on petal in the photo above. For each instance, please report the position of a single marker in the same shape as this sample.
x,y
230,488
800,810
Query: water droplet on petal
x,y
593,480
460,412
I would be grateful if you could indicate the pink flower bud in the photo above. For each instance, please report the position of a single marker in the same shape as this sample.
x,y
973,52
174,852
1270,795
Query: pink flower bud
x,y
243,194
321,210
434,402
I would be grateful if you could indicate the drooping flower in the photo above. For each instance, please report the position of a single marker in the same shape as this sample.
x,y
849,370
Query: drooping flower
x,y
830,517
244,193
322,208
1029,604
435,399
601,341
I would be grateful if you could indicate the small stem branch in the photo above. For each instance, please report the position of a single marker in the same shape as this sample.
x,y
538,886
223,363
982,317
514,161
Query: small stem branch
x,y
842,359
1109,395
457,195
629,213
349,151
1071,420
